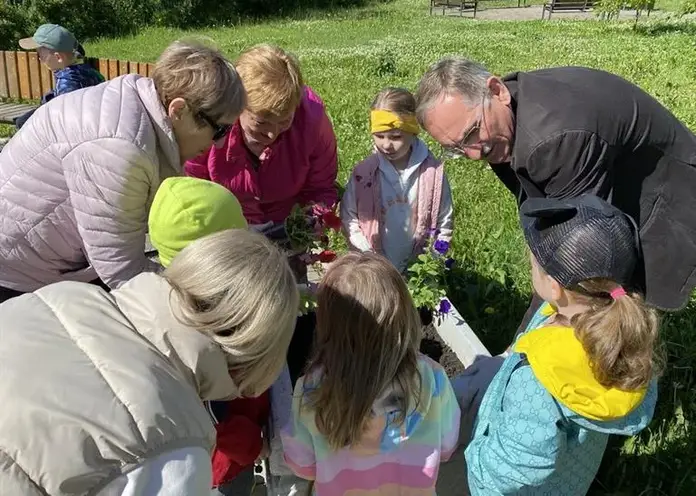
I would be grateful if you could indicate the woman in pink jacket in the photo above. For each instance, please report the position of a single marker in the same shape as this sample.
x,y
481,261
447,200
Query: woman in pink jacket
x,y
77,181
282,150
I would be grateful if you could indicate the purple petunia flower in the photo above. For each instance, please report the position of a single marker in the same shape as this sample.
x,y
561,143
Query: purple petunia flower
x,y
441,246
445,306
449,263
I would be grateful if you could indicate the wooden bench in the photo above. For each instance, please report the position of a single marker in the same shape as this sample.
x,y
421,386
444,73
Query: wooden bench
x,y
8,111
463,5
24,78
566,6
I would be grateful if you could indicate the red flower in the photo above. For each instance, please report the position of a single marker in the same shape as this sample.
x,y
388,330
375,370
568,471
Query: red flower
x,y
327,256
332,221
319,209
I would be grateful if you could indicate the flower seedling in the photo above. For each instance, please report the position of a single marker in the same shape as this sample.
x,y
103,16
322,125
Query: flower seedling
x,y
426,277
308,231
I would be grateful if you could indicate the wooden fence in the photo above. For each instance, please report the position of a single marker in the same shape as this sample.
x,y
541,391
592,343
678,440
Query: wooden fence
x,y
23,76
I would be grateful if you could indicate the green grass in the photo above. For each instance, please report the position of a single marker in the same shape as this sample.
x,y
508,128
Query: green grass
x,y
348,57
6,130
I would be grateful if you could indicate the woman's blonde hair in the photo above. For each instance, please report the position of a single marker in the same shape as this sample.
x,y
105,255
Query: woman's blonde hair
x,y
367,339
397,100
620,335
203,77
272,80
237,287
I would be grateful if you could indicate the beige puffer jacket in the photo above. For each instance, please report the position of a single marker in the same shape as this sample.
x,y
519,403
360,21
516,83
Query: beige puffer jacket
x,y
93,385
77,182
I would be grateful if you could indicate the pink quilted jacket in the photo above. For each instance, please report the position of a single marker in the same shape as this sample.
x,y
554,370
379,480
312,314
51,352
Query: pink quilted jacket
x,y
76,184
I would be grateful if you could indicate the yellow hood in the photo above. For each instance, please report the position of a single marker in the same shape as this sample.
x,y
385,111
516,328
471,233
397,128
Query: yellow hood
x,y
561,365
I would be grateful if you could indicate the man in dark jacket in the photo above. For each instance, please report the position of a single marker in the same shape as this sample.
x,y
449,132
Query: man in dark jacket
x,y
566,131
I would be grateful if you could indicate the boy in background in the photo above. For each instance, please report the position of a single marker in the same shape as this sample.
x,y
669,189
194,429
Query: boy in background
x,y
59,50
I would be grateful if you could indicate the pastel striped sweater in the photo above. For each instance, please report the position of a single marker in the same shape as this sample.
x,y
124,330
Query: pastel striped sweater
x,y
390,459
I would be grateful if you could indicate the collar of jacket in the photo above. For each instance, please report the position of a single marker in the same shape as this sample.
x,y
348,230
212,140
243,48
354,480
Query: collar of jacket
x,y
149,303
166,140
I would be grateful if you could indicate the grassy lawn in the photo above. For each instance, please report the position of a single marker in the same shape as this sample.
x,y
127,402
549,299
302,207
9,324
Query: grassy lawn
x,y
349,57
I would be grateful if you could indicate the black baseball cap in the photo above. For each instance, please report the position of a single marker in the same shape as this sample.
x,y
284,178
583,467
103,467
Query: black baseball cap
x,y
581,238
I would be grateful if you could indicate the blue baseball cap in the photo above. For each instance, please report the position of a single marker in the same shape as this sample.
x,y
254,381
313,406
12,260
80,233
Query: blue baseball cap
x,y
51,36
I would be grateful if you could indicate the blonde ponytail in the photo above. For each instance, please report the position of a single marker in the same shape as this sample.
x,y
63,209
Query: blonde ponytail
x,y
619,335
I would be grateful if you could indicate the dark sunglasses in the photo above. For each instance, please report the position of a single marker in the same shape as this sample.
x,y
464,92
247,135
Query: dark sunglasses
x,y
219,130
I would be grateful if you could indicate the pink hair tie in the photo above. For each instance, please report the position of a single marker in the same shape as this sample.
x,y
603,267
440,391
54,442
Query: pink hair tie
x,y
617,293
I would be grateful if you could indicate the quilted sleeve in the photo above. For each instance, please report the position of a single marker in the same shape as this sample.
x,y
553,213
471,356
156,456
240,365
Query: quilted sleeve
x,y
109,181
521,452
445,218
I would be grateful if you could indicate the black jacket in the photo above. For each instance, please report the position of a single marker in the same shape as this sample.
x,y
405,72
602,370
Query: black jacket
x,y
581,130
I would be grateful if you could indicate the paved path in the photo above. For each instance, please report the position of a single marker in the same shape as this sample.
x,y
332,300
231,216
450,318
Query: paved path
x,y
531,13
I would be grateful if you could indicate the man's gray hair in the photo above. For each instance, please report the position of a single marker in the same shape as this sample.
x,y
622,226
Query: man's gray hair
x,y
452,75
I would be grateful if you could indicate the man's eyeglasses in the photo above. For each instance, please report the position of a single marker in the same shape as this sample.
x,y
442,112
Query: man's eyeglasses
x,y
219,130
470,140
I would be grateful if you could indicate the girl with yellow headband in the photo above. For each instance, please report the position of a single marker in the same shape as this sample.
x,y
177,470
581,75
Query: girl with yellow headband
x,y
399,195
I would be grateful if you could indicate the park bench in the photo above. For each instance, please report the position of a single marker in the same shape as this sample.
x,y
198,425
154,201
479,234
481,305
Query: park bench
x,y
463,5
23,78
566,6
9,111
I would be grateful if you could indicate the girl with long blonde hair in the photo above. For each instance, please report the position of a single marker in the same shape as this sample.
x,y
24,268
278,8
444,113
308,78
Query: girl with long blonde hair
x,y
371,413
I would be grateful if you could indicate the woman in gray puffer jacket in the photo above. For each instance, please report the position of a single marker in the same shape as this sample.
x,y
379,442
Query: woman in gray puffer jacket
x,y
77,181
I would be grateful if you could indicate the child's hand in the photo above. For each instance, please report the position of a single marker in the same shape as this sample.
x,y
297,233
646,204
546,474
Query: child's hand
x,y
265,451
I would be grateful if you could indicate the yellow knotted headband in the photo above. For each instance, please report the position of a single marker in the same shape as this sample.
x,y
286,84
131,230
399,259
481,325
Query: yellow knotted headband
x,y
385,120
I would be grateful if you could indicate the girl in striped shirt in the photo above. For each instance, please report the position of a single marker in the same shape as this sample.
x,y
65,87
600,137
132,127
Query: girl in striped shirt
x,y
371,416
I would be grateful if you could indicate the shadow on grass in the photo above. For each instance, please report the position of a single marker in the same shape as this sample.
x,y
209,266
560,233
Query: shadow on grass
x,y
309,9
660,28
492,309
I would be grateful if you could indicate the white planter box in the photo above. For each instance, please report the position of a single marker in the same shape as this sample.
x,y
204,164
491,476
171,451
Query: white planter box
x,y
457,334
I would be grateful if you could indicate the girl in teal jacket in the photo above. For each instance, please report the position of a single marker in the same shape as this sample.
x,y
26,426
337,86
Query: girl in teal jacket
x,y
585,367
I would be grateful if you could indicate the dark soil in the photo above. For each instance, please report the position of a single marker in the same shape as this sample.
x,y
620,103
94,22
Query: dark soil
x,y
433,346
